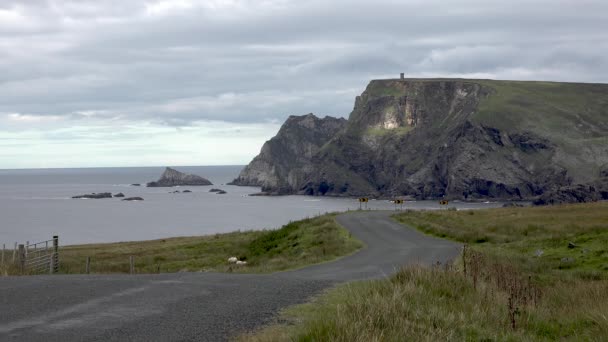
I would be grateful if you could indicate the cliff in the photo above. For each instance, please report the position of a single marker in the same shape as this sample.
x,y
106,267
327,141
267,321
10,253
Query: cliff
x,y
452,138
285,160
172,177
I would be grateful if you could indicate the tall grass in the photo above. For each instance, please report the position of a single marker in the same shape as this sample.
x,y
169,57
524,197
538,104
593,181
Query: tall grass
x,y
441,304
296,244
536,239
498,289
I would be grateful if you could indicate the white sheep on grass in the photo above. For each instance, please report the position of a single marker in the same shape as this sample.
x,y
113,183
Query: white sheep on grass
x,y
233,260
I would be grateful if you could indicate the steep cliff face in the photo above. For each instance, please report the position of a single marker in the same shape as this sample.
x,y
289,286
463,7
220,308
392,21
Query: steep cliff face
x,y
460,139
285,160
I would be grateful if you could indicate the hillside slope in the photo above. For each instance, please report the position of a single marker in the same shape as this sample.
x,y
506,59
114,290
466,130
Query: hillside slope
x,y
432,138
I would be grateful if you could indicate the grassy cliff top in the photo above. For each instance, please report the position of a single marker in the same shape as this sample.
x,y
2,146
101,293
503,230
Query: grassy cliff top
x,y
571,116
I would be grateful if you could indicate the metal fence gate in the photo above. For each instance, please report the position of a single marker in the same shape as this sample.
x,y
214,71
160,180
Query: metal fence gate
x,y
39,257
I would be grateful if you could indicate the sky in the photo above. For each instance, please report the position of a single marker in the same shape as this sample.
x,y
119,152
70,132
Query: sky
x,y
87,83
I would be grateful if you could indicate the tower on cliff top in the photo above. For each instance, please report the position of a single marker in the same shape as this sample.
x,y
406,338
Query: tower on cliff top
x,y
402,76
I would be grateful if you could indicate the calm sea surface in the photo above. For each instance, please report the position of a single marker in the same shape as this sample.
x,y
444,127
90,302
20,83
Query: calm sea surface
x,y
36,204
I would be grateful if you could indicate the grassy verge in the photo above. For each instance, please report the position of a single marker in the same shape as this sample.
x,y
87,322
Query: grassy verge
x,y
498,290
295,245
519,235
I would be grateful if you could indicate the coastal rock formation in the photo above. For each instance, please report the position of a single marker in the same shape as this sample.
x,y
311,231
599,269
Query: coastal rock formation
x,y
120,194
133,199
286,160
172,177
440,138
95,196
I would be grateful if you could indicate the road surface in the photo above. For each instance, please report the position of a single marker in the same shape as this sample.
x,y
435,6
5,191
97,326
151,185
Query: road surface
x,y
199,306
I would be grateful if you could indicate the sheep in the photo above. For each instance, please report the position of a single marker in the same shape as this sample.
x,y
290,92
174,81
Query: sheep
x,y
239,262
232,260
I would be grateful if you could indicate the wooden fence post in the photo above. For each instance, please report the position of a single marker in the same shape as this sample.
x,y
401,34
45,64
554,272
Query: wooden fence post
x,y
22,258
88,267
55,254
52,263
131,265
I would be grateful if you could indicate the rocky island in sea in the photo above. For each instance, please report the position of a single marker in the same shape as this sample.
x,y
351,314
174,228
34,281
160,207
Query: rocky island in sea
x,y
94,196
172,177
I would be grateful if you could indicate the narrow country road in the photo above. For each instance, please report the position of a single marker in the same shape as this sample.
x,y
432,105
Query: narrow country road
x,y
198,306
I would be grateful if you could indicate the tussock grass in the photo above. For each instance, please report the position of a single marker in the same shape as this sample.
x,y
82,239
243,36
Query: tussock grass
x,y
518,234
296,244
439,304
497,290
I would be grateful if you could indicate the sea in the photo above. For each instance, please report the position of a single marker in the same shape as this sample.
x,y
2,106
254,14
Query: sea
x,y
36,204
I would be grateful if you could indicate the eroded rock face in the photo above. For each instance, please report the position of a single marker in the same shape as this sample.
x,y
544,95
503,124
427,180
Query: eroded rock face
x,y
285,160
172,177
458,139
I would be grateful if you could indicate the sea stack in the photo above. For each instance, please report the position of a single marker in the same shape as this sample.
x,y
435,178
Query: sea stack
x,y
172,177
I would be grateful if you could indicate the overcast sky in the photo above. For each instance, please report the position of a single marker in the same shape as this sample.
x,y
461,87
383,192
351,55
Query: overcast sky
x,y
206,82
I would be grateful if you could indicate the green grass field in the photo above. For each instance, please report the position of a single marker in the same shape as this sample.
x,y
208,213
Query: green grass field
x,y
498,290
297,244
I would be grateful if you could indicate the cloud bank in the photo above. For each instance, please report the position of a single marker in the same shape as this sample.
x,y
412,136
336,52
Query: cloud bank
x,y
103,77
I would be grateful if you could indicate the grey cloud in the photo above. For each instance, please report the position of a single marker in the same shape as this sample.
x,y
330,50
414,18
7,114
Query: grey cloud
x,y
261,61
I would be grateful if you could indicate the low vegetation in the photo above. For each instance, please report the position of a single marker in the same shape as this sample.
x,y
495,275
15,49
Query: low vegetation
x,y
551,242
525,274
295,245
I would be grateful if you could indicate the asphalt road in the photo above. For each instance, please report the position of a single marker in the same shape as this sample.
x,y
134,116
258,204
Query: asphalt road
x,y
198,306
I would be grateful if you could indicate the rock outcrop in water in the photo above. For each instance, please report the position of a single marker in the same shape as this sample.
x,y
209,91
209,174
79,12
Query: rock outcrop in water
x,y
94,196
172,177
454,139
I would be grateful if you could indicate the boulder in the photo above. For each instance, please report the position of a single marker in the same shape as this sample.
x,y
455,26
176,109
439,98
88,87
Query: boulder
x,y
95,196
120,194
173,177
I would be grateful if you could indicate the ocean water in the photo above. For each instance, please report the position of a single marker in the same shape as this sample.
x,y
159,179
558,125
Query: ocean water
x,y
36,204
